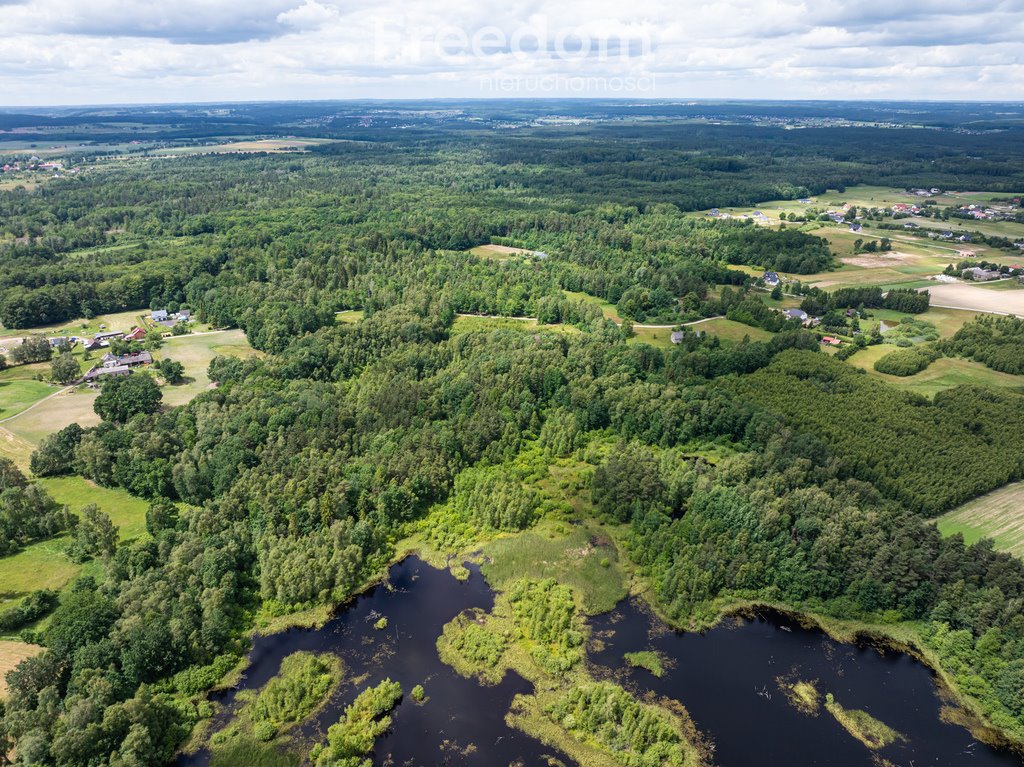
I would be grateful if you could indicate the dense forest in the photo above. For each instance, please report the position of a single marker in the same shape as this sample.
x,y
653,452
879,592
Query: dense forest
x,y
755,470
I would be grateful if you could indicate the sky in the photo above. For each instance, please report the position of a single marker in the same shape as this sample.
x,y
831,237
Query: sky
x,y
146,51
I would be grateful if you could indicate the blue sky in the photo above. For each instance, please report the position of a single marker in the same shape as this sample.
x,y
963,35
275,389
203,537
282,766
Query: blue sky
x,y
118,51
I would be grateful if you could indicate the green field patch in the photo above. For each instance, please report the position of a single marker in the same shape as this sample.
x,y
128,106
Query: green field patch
x,y
127,512
71,406
580,556
729,330
610,311
645,659
942,374
1011,284
17,395
349,316
195,352
999,515
42,565
125,321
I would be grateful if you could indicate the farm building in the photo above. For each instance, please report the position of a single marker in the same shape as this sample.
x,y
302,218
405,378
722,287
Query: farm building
x,y
978,274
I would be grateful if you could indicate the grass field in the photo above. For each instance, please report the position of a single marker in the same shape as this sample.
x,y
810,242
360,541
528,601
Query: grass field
x,y
73,406
661,337
998,515
23,433
349,316
1011,284
44,565
15,448
127,512
11,654
610,311
728,330
195,352
86,327
944,373
18,394
946,321
581,557
39,566
499,252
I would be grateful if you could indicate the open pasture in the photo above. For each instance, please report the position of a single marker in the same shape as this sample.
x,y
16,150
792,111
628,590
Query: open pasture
x,y
71,406
41,565
18,394
999,515
944,373
609,310
195,352
125,321
126,511
499,252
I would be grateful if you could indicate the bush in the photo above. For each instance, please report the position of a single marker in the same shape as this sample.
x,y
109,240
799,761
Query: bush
x,y
31,608
906,362
364,721
304,681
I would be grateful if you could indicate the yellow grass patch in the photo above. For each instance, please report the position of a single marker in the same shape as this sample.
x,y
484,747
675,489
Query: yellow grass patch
x,y
11,654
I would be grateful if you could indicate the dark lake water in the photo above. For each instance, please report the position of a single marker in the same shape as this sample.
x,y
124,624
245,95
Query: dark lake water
x,y
725,678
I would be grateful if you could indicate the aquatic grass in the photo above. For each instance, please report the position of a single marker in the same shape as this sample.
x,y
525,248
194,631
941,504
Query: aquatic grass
x,y
581,556
860,724
258,735
245,751
802,695
646,659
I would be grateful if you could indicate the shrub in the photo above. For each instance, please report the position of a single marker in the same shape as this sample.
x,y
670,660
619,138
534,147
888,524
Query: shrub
x,y
906,362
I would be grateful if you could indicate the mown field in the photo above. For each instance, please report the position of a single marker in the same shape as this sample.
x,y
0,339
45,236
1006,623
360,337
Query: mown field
x,y
126,511
18,394
195,352
11,654
270,145
998,515
974,297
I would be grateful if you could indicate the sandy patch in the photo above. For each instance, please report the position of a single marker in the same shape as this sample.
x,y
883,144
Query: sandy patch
x,y
965,296
877,260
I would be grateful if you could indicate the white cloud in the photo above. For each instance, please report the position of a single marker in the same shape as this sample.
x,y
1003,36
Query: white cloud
x,y
310,15
70,51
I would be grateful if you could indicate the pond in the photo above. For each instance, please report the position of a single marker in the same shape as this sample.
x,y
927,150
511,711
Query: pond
x,y
725,677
